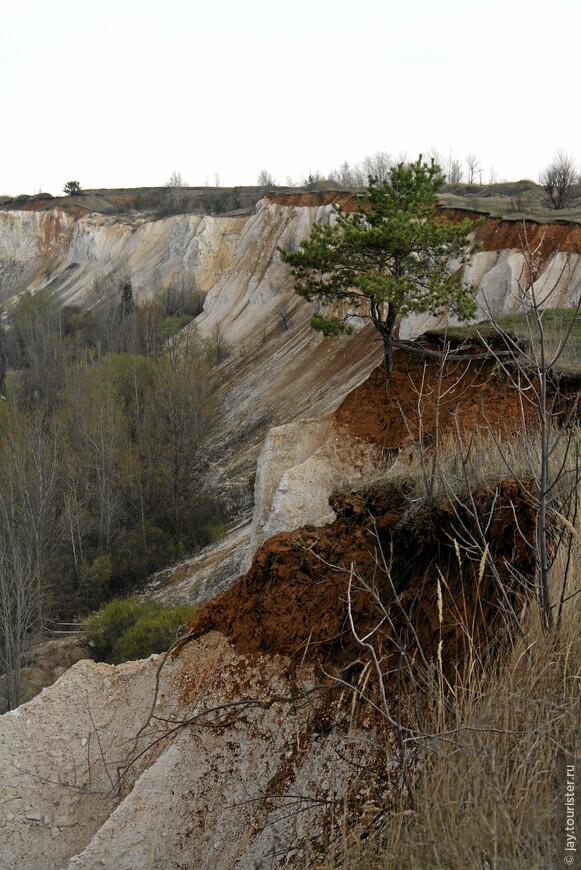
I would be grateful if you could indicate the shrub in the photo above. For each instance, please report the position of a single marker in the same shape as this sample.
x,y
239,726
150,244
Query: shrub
x,y
95,581
128,629
151,634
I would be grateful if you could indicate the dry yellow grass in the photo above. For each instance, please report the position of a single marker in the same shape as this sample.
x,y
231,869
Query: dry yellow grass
x,y
485,780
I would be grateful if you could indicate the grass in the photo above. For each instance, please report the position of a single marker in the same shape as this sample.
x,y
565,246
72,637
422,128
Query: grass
x,y
485,778
485,783
558,319
451,467
511,201
173,324
485,772
556,325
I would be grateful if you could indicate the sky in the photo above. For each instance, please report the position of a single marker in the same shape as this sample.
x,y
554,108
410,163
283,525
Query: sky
x,y
122,93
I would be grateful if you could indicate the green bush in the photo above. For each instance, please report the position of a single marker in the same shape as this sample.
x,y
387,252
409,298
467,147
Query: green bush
x,y
127,629
95,580
151,634
105,627
171,325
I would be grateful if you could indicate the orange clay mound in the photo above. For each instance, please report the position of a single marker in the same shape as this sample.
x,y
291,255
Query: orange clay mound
x,y
419,399
294,598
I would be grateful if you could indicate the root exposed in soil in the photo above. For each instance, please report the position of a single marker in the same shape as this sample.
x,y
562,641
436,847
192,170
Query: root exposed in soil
x,y
437,596
294,598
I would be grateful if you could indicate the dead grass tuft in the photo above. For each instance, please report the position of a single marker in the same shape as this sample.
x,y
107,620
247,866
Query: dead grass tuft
x,y
485,781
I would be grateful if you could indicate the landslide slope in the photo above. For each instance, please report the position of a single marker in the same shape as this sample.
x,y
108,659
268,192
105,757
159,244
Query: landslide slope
x,y
391,533
245,749
276,371
216,761
237,753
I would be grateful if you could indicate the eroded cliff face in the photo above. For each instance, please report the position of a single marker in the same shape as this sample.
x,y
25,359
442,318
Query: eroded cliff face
x,y
81,260
234,773
277,371
234,258
230,772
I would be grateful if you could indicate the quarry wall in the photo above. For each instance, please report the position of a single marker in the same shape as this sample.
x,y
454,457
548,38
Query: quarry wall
x,y
207,796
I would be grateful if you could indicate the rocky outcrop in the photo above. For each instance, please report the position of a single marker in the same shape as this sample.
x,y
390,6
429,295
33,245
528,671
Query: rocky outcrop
x,y
45,663
83,261
234,258
250,779
59,755
299,468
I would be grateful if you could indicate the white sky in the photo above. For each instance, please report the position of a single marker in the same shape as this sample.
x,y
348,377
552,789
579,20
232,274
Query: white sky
x,y
120,93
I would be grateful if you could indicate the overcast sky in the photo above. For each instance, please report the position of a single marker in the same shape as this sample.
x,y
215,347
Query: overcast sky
x,y
121,93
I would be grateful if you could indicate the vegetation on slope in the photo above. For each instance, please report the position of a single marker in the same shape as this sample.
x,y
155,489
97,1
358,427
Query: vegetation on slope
x,y
102,431
128,629
426,606
489,776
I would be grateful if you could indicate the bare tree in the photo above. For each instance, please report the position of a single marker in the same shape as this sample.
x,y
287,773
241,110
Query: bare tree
x,y
378,165
20,612
474,169
265,179
557,180
454,173
29,532
343,176
552,474
175,187
178,414
283,316
217,349
453,169
98,443
176,180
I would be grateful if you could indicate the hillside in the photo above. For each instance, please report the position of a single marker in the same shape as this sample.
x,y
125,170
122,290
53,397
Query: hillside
x,y
255,758
252,310
511,200
295,715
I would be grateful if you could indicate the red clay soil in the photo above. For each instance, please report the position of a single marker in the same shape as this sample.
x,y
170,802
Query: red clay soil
x,y
419,400
494,234
294,598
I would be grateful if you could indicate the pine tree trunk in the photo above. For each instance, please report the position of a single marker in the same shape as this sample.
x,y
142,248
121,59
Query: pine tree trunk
x,y
388,353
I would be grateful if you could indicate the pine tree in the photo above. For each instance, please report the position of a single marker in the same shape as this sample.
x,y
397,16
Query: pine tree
x,y
394,255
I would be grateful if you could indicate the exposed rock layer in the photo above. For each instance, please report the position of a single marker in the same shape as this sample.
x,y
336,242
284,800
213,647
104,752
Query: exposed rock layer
x,y
246,783
237,787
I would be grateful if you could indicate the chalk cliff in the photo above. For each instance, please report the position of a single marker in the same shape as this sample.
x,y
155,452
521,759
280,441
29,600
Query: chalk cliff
x,y
277,371
219,767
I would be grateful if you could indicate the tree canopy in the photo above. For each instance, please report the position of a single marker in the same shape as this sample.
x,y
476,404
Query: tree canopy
x,y
71,188
394,255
